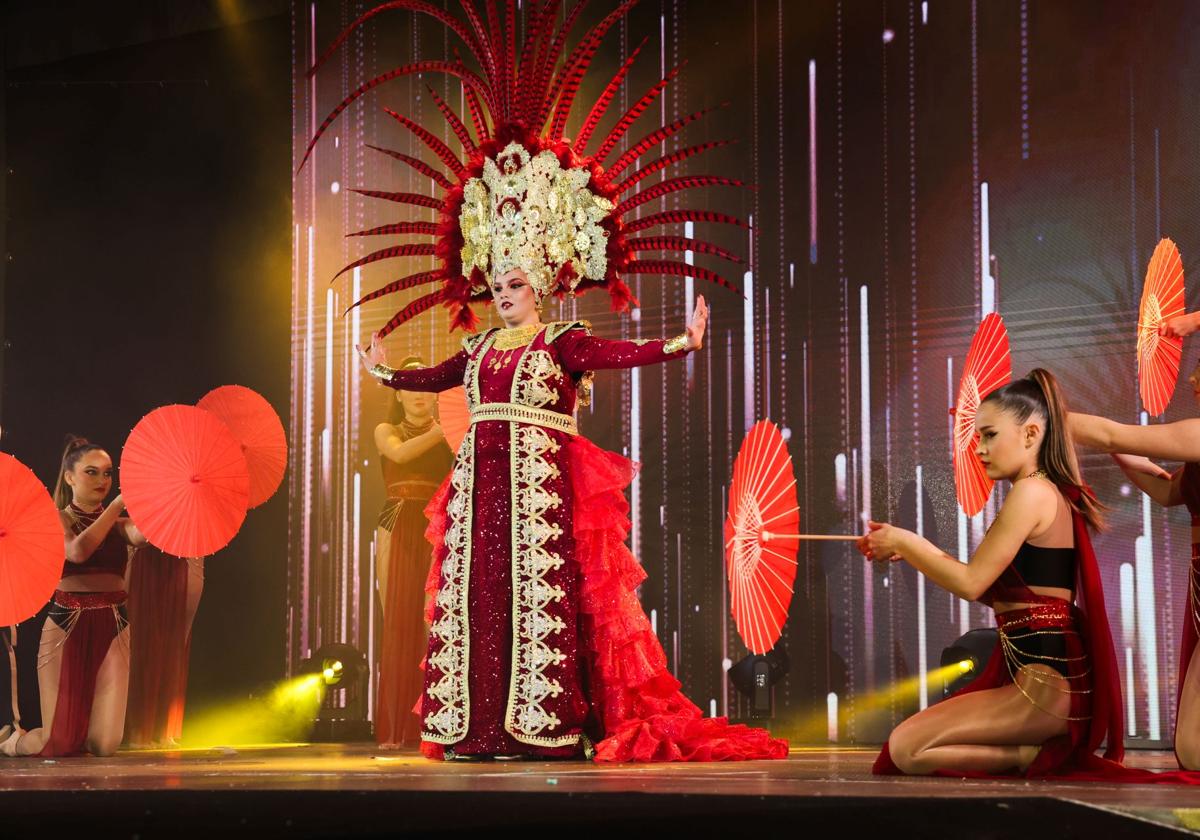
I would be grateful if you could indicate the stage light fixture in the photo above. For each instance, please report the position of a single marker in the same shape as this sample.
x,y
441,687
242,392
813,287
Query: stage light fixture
x,y
966,658
343,670
756,675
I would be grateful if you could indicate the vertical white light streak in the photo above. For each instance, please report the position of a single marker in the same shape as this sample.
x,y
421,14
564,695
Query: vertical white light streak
x,y
1147,618
922,653
306,445
748,361
839,475
689,294
963,555
864,419
831,714
635,455
812,162
1128,639
356,551
372,671
987,290
924,12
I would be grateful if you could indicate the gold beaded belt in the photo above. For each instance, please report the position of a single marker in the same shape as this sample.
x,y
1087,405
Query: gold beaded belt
x,y
1038,615
513,413
412,489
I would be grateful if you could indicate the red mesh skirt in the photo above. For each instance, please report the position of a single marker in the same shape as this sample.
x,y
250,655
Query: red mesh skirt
x,y
158,667
92,620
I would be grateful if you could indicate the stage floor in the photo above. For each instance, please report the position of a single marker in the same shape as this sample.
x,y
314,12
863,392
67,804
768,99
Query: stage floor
x,y
309,790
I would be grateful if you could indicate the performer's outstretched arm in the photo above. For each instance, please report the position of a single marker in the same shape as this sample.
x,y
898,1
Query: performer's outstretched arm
x,y
1179,441
1023,509
440,377
581,352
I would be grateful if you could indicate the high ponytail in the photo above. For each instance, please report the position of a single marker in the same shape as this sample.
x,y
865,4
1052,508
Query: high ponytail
x,y
75,449
1040,393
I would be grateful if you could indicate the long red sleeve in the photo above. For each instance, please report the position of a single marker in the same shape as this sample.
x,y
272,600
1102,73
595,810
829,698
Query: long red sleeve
x,y
441,377
581,352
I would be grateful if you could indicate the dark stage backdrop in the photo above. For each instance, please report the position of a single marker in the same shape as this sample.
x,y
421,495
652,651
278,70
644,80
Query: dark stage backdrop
x,y
148,204
918,164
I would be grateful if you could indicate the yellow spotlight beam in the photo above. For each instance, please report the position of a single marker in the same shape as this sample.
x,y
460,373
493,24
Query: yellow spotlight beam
x,y
285,714
814,726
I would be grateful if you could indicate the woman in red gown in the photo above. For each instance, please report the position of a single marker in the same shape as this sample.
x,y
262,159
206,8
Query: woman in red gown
x,y
415,459
83,661
1050,693
538,645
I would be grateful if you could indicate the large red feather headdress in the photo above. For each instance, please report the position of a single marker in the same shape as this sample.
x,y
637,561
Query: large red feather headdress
x,y
581,236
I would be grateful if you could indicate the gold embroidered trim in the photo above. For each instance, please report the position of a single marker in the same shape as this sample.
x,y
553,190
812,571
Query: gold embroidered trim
x,y
513,413
559,328
383,373
535,389
511,338
535,661
472,341
448,723
676,344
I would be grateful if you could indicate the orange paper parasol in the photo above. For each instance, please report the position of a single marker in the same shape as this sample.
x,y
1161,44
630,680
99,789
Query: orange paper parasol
x,y
184,480
31,543
255,424
988,367
454,416
1158,355
760,537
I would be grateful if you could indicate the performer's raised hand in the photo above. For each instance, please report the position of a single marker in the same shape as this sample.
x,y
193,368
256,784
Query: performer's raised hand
x,y
698,324
1180,326
373,354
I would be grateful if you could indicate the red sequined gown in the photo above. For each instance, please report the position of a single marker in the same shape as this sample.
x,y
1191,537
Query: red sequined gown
x,y
538,643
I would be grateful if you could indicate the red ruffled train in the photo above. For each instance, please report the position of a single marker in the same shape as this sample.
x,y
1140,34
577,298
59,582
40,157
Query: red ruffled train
x,y
636,703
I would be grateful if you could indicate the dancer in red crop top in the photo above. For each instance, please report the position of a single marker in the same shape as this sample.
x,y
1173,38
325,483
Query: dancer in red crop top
x,y
83,662
1050,693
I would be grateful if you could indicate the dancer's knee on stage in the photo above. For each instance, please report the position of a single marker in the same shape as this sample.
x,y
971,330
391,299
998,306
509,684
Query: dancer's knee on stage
x,y
906,746
1187,750
104,744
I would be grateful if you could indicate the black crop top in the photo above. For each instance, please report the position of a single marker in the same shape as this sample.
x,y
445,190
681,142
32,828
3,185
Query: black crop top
x,y
1040,566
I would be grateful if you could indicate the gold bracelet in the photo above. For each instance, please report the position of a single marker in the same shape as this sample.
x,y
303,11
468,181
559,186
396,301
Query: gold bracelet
x,y
674,345
383,373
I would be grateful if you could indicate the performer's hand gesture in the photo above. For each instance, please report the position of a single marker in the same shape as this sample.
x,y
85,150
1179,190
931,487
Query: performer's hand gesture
x,y
1180,326
372,355
881,542
699,323
1140,464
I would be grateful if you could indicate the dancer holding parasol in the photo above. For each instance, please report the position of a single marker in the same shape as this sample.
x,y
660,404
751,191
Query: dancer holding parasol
x,y
1050,693
83,662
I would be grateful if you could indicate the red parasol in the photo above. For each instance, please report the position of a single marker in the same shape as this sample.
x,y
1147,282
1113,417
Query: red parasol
x,y
988,367
257,427
184,480
1158,355
31,543
760,536
454,416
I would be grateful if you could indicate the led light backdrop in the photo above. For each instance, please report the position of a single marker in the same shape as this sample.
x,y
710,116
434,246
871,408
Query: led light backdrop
x,y
917,165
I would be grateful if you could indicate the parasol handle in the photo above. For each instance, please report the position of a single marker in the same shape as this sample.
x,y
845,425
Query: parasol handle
x,y
767,536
